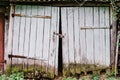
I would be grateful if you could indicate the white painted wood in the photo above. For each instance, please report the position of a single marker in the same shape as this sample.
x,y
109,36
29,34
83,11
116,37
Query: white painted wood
x,y
16,32
96,36
65,40
22,31
46,33
53,44
82,36
76,36
70,34
107,23
40,28
102,40
57,40
89,34
33,32
34,36
93,43
16,35
10,35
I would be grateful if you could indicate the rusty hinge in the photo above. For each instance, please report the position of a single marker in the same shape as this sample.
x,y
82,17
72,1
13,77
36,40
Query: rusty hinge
x,y
58,34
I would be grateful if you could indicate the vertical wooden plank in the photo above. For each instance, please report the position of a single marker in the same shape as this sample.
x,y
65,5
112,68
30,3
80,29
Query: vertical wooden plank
x,y
71,37
107,37
10,36
102,40
96,36
33,32
21,34
27,34
76,38
16,34
17,22
46,34
65,40
40,28
53,39
57,40
21,37
82,36
70,34
89,34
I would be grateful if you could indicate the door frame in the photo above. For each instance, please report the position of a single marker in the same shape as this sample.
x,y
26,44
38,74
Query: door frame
x,y
2,25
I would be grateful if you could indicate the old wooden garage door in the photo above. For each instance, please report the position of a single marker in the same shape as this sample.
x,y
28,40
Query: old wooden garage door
x,y
33,36
87,37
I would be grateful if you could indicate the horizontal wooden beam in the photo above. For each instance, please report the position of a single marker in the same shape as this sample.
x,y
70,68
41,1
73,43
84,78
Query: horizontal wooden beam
x,y
95,28
24,57
32,16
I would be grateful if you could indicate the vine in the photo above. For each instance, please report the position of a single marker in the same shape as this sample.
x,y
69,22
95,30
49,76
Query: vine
x,y
116,10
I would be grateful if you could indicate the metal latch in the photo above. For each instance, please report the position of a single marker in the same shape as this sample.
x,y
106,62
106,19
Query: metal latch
x,y
58,34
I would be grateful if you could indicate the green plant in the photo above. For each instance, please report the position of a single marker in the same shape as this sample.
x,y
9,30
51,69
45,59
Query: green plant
x,y
116,10
14,76
95,77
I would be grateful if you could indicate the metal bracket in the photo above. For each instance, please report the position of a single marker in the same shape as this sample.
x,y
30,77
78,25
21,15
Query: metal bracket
x,y
58,34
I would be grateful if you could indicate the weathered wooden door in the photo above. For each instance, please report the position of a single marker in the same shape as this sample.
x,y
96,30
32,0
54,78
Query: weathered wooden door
x,y
86,39
2,22
34,38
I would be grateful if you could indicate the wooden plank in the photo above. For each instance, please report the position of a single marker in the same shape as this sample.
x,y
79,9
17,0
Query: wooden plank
x,y
16,35
17,22
27,35
65,39
27,32
76,35
53,48
10,34
102,37
31,16
33,32
77,47
40,28
96,36
71,42
95,27
57,40
46,33
24,57
107,23
89,34
82,36
22,33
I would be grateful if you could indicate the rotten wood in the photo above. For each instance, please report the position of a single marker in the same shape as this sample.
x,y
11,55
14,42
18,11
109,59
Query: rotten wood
x,y
31,16
95,28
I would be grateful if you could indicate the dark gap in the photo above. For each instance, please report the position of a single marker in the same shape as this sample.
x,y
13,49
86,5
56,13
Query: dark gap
x,y
103,71
60,60
89,73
